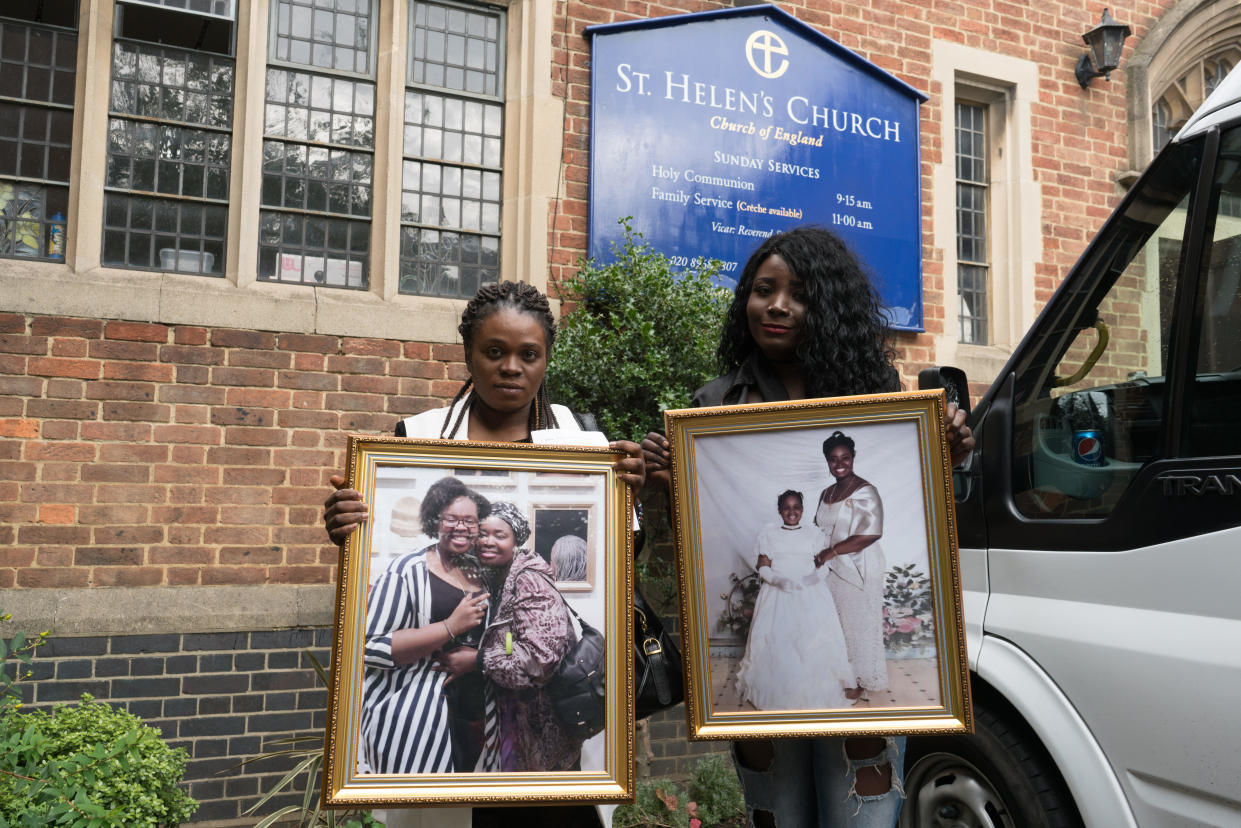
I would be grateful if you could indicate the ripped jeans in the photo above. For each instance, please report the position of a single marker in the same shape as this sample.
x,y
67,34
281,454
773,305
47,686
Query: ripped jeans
x,y
810,784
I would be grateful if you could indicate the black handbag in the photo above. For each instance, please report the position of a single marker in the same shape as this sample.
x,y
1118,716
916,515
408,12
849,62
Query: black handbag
x,y
659,682
577,689
659,679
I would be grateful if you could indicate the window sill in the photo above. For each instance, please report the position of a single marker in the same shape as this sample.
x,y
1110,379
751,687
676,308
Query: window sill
x,y
981,363
180,299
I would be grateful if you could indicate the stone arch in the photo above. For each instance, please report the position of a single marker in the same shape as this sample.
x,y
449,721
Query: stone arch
x,y
1188,36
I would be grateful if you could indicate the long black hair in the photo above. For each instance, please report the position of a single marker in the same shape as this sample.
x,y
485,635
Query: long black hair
x,y
843,348
517,296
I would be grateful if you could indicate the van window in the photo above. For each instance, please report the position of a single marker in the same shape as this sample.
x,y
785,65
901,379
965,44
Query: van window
x,y
1090,404
1215,396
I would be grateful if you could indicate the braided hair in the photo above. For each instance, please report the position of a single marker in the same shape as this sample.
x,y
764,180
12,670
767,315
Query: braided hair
x,y
843,348
517,296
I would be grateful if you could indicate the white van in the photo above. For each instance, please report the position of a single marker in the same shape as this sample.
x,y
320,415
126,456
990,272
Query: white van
x,y
1100,527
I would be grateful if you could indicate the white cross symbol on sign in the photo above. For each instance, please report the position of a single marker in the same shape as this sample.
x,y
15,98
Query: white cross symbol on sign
x,y
768,43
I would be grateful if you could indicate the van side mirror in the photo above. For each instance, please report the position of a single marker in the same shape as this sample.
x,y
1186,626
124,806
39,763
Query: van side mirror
x,y
952,380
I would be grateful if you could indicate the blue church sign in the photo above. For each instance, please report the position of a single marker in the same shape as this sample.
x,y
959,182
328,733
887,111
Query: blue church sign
x,y
715,130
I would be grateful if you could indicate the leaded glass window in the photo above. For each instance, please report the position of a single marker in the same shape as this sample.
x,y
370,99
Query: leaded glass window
x,y
38,63
1173,105
320,109
318,145
169,152
330,35
451,176
456,47
972,180
1162,124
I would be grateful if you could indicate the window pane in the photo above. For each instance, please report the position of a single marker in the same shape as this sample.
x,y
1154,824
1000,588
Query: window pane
x,y
445,41
226,9
185,155
972,288
315,227
972,229
1216,393
36,133
176,76
325,34
303,173
451,181
313,250
144,232
444,264
971,143
1090,401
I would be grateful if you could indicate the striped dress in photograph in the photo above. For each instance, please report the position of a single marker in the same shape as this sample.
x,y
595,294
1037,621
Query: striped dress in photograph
x,y
404,712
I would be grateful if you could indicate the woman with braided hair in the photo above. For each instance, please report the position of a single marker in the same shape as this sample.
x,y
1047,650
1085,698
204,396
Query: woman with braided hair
x,y
492,395
508,331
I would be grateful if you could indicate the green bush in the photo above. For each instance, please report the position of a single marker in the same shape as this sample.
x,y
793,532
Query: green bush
x,y
714,800
715,788
15,656
660,803
640,340
88,765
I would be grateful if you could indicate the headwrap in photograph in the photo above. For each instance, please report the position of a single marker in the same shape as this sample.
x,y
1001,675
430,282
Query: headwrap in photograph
x,y
513,516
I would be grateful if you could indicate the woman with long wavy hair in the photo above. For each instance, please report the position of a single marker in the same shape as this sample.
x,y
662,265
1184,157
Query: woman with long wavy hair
x,y
840,343
805,322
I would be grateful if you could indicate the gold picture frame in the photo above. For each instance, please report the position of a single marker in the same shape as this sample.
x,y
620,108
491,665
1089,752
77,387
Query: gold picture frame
x,y
762,651
392,475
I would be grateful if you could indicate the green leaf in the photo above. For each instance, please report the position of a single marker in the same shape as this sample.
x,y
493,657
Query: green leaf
x,y
299,768
272,819
319,669
88,764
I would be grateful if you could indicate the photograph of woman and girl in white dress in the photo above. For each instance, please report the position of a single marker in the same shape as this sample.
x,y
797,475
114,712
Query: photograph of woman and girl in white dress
x,y
465,623
815,566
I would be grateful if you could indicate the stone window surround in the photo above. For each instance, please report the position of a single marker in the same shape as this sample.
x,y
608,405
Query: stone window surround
x,y
83,287
1007,85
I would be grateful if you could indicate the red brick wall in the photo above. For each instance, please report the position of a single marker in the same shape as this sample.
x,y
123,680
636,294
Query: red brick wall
x,y
134,454
140,454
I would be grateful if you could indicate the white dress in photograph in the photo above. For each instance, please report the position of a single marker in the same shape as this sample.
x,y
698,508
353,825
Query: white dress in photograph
x,y
795,655
857,582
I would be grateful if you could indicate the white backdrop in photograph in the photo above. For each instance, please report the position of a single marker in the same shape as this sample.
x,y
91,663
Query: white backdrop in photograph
x,y
740,476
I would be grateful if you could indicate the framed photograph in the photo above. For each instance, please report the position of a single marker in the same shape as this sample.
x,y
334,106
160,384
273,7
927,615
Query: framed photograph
x,y
562,535
452,619
820,588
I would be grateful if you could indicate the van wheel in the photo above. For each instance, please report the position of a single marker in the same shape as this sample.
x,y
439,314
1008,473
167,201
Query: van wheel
x,y
1000,777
